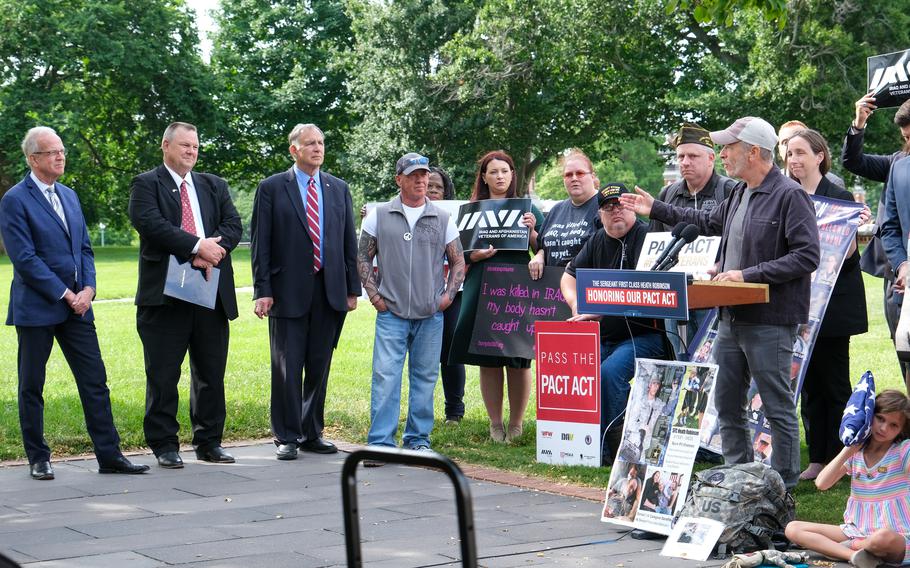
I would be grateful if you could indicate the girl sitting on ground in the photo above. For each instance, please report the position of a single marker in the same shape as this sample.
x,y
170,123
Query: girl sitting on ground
x,y
877,518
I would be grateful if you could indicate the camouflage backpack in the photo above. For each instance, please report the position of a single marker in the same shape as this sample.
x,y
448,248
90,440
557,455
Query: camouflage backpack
x,y
749,499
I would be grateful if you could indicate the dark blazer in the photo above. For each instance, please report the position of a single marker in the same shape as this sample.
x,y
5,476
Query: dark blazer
x,y
155,213
282,252
46,260
846,313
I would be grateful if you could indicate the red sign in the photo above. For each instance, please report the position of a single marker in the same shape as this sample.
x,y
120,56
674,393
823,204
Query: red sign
x,y
568,371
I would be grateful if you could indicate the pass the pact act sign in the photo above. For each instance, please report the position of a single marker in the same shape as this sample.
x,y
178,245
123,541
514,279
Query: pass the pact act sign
x,y
568,392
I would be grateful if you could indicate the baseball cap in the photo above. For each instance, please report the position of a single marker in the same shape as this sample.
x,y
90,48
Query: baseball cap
x,y
411,162
750,130
690,133
609,192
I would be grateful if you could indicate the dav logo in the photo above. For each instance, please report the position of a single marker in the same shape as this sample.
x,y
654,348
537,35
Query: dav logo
x,y
546,453
567,437
495,219
546,434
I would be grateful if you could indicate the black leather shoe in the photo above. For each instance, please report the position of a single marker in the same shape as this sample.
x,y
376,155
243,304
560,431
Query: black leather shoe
x,y
121,465
215,454
170,460
41,470
318,446
287,451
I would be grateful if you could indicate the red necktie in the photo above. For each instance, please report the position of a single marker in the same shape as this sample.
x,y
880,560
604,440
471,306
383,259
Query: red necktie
x,y
187,222
312,217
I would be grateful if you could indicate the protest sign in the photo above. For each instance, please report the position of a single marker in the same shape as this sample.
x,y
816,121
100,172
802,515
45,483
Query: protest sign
x,y
494,222
888,78
653,466
696,258
837,223
568,392
632,293
509,304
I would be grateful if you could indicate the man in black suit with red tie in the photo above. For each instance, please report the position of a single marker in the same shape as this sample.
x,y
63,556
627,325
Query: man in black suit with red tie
x,y
304,255
191,216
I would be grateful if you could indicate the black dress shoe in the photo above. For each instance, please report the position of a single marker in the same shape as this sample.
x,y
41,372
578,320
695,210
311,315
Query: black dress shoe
x,y
170,460
287,451
121,465
41,470
318,446
215,454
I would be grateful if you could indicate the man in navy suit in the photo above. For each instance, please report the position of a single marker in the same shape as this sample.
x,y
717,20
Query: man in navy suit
x,y
51,297
304,255
189,215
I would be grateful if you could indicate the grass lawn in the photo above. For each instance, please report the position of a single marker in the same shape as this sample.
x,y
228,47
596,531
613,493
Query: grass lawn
x,y
347,414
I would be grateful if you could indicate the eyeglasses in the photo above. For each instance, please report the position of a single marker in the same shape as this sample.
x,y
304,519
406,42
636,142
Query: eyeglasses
x,y
573,175
611,206
53,153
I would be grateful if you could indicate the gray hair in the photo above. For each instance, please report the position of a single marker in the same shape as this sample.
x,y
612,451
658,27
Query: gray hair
x,y
30,142
300,129
765,154
172,127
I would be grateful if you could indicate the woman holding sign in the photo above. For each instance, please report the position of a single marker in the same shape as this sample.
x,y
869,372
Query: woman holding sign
x,y
826,387
495,180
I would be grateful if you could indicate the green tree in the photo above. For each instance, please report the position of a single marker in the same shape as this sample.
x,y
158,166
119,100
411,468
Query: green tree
x,y
108,76
275,63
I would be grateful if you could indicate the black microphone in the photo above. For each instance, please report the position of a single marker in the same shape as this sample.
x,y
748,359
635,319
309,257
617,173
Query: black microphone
x,y
675,233
689,234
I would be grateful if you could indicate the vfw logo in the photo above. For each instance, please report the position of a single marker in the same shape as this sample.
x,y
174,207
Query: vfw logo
x,y
495,219
546,434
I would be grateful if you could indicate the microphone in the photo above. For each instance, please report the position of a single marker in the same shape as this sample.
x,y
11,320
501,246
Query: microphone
x,y
675,233
688,234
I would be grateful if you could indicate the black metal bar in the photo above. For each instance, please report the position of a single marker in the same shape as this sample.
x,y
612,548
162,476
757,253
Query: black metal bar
x,y
351,510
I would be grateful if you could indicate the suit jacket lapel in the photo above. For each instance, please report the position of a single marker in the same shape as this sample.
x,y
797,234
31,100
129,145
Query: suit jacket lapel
x,y
293,191
168,187
205,195
38,196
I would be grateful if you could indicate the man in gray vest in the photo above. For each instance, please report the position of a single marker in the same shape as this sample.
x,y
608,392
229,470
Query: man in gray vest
x,y
409,237
700,188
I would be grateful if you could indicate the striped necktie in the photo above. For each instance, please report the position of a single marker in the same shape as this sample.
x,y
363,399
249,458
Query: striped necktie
x,y
312,217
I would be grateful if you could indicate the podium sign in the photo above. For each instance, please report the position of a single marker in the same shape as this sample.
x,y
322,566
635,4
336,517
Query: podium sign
x,y
568,392
632,293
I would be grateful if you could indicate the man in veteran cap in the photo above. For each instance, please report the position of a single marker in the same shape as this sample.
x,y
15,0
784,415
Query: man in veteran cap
x,y
617,246
700,188
409,237
781,250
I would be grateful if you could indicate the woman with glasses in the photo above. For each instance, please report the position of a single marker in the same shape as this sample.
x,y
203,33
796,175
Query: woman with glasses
x,y
826,387
572,221
495,180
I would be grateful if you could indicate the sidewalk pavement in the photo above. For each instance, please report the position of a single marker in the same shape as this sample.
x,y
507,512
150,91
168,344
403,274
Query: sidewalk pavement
x,y
262,512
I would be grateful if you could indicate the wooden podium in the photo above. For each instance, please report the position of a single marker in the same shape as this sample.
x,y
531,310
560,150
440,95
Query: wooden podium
x,y
710,294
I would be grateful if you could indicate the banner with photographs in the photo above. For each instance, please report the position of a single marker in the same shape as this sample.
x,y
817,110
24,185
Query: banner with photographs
x,y
653,466
888,78
494,222
837,223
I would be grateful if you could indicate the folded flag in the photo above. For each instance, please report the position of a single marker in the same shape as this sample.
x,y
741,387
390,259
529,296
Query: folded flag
x,y
856,424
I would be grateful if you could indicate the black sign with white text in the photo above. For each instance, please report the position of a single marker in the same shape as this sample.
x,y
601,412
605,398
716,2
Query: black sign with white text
x,y
495,222
888,78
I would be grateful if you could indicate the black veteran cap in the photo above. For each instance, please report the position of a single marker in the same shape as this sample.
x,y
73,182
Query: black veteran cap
x,y
610,192
690,133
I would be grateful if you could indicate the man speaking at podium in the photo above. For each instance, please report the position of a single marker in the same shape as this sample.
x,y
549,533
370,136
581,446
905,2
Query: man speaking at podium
x,y
769,235
617,246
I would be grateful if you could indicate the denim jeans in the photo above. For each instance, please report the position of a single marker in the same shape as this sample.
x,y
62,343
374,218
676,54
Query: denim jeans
x,y
421,341
617,365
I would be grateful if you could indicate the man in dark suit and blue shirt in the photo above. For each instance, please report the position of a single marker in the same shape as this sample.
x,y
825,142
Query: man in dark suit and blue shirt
x,y
304,256
189,215
51,297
